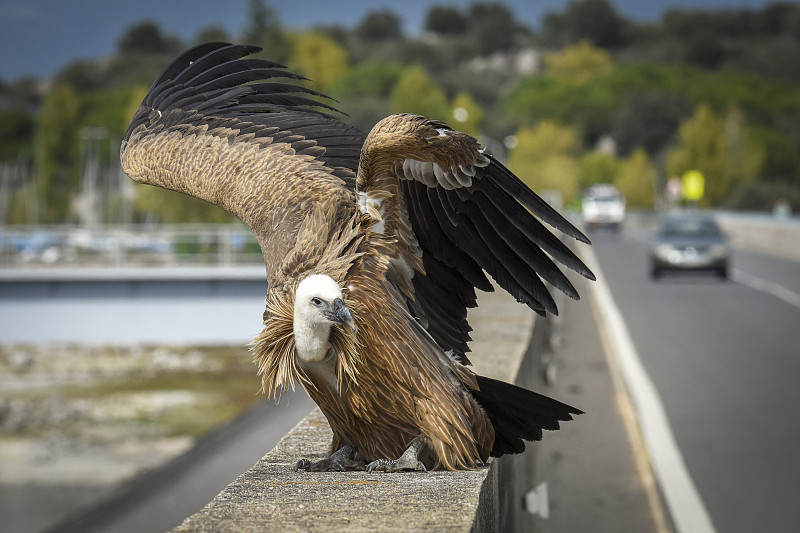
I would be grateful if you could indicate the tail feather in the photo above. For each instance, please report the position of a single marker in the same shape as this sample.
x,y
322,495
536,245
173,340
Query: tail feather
x,y
518,414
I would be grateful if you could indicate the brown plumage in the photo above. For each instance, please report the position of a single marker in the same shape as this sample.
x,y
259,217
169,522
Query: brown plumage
x,y
373,248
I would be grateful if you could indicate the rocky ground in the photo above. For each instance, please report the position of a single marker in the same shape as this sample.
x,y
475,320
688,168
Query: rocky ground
x,y
76,421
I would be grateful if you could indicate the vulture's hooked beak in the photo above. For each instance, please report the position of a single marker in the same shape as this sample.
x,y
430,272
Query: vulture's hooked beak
x,y
342,315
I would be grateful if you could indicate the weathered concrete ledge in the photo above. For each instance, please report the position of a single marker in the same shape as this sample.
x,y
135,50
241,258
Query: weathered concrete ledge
x,y
271,497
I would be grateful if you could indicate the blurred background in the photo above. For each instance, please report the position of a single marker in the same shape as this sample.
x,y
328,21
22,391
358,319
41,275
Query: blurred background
x,y
111,367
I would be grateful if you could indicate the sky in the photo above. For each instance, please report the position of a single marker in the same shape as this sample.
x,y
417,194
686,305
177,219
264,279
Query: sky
x,y
39,37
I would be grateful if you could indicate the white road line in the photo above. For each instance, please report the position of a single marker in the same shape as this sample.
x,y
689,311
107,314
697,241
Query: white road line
x,y
686,508
769,287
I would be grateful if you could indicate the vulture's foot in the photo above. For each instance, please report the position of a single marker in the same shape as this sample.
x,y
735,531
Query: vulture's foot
x,y
407,461
339,461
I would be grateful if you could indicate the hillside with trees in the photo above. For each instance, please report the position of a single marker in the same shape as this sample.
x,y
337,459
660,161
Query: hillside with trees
x,y
588,97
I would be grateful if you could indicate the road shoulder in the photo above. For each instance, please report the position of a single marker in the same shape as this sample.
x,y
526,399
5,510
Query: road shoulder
x,y
598,475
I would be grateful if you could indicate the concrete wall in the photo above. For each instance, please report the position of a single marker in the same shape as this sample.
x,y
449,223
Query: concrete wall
x,y
272,497
766,234
507,345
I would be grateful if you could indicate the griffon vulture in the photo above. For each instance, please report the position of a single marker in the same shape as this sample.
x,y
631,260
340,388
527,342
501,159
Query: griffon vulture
x,y
374,246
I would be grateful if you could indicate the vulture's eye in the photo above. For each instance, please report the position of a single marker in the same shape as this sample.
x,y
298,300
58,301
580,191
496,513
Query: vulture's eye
x,y
316,301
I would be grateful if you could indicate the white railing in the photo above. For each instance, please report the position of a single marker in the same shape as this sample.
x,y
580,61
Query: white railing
x,y
128,245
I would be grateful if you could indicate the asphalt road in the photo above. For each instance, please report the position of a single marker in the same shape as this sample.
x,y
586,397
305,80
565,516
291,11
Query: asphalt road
x,y
725,359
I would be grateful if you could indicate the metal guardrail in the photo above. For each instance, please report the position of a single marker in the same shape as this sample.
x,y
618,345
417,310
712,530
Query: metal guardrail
x,y
128,245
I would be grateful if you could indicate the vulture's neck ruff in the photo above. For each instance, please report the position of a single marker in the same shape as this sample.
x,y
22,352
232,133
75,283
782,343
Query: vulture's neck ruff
x,y
310,339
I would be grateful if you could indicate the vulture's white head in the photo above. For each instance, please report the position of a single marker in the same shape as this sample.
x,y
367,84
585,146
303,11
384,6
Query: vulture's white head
x,y
318,305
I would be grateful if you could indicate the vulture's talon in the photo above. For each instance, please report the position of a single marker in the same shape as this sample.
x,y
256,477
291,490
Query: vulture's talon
x,y
406,462
325,465
338,461
398,465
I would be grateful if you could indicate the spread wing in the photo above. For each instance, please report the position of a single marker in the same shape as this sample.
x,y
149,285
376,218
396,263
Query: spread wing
x,y
223,127
457,214
233,131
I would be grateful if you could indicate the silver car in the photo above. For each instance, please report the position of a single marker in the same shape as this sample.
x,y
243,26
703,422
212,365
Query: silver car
x,y
690,241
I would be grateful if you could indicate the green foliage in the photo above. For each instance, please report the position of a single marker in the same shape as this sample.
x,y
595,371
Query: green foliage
x,y
146,38
213,33
633,94
578,63
546,139
261,21
745,156
363,93
107,109
597,167
16,135
721,148
319,58
166,206
492,27
544,159
57,153
380,25
648,120
82,76
781,156
415,92
637,180
467,115
137,94
446,20
605,76
368,79
594,20
264,29
586,106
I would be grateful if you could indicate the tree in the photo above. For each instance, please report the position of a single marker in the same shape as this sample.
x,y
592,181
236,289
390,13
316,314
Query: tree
x,y
597,167
265,30
637,180
368,79
492,27
649,120
363,93
446,20
261,20
137,94
467,115
170,207
719,147
212,33
146,38
588,107
704,51
16,134
415,92
594,20
780,17
57,153
579,63
544,158
380,25
744,158
319,58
